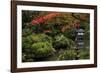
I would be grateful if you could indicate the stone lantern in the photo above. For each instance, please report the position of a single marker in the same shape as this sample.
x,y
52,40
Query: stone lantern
x,y
79,38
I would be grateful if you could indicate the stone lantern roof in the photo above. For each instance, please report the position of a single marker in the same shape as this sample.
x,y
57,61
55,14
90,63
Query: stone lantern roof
x,y
80,30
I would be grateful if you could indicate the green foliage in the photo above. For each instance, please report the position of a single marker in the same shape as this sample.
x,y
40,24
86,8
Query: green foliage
x,y
27,57
34,27
27,42
68,55
41,38
42,49
60,41
70,34
87,34
84,25
26,32
84,53
36,46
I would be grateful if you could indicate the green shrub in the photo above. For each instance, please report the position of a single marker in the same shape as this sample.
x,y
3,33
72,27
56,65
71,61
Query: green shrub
x,y
42,49
35,46
68,55
26,32
34,38
27,42
84,54
70,34
27,57
41,38
60,41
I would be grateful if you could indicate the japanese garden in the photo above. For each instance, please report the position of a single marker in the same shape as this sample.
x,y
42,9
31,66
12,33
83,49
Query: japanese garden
x,y
55,36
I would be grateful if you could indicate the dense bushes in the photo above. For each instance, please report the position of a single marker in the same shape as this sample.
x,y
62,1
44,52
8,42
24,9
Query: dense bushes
x,y
84,53
42,49
41,38
68,55
37,46
62,42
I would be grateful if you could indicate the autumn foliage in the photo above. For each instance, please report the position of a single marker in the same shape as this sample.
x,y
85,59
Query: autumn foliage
x,y
44,18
